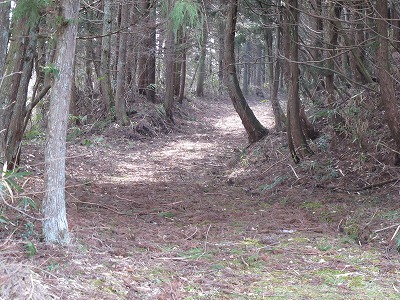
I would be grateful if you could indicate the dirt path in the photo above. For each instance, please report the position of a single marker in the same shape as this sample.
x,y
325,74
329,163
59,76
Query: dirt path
x,y
160,219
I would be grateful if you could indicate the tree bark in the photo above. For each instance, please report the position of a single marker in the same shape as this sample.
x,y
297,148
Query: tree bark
x,y
147,59
296,139
202,61
105,64
55,225
5,8
386,81
182,82
255,131
246,68
336,119
169,68
10,83
120,107
279,116
221,47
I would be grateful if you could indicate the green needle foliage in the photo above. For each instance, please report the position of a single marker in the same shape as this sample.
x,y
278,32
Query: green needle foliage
x,y
185,13
31,9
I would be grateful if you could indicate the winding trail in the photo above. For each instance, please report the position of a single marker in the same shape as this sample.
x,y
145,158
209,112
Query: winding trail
x,y
160,220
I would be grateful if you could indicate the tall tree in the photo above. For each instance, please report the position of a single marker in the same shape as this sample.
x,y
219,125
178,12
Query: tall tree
x,y
202,61
169,65
105,64
55,225
296,139
147,57
120,107
279,116
5,8
386,81
255,131
17,71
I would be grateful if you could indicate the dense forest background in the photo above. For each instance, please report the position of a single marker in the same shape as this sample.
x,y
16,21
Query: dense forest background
x,y
314,85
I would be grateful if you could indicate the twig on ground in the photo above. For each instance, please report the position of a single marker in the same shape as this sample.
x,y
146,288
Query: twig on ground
x,y
367,187
273,165
170,204
129,200
297,176
192,235
171,258
395,233
386,228
206,241
217,194
373,216
244,262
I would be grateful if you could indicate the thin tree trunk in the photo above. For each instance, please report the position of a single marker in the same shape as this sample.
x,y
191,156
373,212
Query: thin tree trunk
x,y
202,61
147,60
183,72
169,68
16,127
120,107
221,47
297,142
105,64
386,81
55,225
336,119
246,68
5,8
11,80
255,131
279,116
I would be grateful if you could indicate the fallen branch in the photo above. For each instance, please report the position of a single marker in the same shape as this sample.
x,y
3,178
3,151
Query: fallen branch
x,y
386,228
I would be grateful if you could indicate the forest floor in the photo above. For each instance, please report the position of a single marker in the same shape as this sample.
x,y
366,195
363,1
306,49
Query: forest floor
x,y
200,214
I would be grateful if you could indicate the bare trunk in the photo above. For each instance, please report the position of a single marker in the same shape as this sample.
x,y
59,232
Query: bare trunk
x,y
105,64
246,68
120,107
169,68
183,73
255,131
5,8
13,75
386,81
221,47
336,119
147,60
202,62
279,116
297,142
55,225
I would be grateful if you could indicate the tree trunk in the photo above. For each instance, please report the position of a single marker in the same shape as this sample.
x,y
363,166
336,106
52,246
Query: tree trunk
x,y
120,107
182,82
386,81
147,59
13,75
5,8
169,67
16,127
105,64
336,119
221,47
246,68
255,131
202,61
297,142
55,225
279,116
